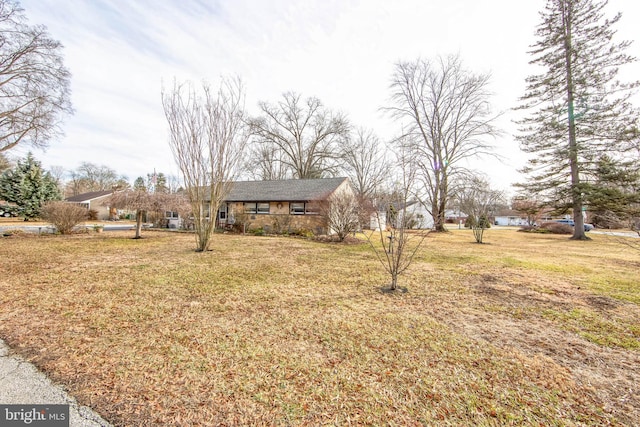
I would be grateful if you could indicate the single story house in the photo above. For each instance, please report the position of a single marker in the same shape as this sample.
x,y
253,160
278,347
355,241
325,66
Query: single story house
x,y
277,206
510,217
418,216
94,200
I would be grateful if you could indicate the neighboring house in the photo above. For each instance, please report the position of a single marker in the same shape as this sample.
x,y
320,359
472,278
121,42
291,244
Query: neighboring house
x,y
455,217
419,217
94,201
509,217
283,205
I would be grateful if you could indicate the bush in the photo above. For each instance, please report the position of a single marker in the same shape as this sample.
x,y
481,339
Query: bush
x,y
470,222
62,215
303,232
533,229
557,228
93,215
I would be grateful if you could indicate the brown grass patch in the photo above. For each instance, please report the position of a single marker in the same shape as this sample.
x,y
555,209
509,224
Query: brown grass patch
x,y
531,330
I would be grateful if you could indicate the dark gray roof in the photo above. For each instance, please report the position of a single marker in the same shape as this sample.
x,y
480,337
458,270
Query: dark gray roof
x,y
289,190
85,197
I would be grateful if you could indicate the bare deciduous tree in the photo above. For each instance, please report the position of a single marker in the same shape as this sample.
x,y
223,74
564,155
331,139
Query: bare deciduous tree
x,y
479,201
92,177
34,84
445,108
365,163
207,137
392,241
303,135
529,206
265,163
142,201
342,213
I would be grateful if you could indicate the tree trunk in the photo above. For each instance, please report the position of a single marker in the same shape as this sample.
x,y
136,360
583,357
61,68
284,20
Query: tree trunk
x,y
138,224
478,232
576,194
394,281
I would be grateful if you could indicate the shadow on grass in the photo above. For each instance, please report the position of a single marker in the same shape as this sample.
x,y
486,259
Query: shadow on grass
x,y
398,291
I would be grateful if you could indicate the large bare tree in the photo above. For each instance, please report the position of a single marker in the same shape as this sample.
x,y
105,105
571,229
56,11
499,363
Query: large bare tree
x,y
303,135
265,163
448,119
92,177
34,84
207,137
365,163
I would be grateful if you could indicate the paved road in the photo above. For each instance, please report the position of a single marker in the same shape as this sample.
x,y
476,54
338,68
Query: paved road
x,y
50,229
616,233
22,384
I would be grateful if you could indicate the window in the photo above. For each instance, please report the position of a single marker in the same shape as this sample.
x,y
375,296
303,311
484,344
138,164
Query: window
x,y
171,215
263,208
311,208
257,208
222,212
296,208
251,208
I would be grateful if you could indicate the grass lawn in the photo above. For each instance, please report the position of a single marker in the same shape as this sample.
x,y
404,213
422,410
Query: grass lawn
x,y
525,330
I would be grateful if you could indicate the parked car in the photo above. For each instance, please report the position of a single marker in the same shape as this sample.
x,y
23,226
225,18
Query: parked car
x,y
587,227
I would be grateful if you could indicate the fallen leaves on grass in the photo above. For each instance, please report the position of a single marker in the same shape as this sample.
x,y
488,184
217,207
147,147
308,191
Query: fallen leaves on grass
x,y
275,331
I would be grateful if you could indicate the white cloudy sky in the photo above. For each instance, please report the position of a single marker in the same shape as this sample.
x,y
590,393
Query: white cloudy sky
x,y
342,51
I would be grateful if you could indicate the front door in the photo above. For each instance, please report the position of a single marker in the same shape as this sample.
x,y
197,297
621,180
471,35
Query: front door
x,y
222,215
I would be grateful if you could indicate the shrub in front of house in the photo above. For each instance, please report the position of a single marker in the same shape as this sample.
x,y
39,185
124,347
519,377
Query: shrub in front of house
x,y
62,215
303,232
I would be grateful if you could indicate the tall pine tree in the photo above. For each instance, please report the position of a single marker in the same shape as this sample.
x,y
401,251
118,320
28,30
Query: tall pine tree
x,y
28,186
577,109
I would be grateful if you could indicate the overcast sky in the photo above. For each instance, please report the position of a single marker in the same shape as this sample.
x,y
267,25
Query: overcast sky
x,y
342,51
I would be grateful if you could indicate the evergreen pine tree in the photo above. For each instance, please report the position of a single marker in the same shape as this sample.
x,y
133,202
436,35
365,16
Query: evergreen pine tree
x,y
614,195
578,110
28,186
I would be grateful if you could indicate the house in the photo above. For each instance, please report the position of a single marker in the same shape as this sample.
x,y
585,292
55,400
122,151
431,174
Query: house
x,y
418,216
277,206
509,217
93,201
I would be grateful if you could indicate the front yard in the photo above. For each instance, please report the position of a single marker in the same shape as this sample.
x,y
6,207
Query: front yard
x,y
526,330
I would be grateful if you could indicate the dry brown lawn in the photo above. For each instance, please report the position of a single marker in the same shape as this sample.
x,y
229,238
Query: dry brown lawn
x,y
525,330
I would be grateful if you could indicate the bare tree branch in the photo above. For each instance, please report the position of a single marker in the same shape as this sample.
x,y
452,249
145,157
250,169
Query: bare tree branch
x,y
34,84
366,164
303,135
207,137
449,120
